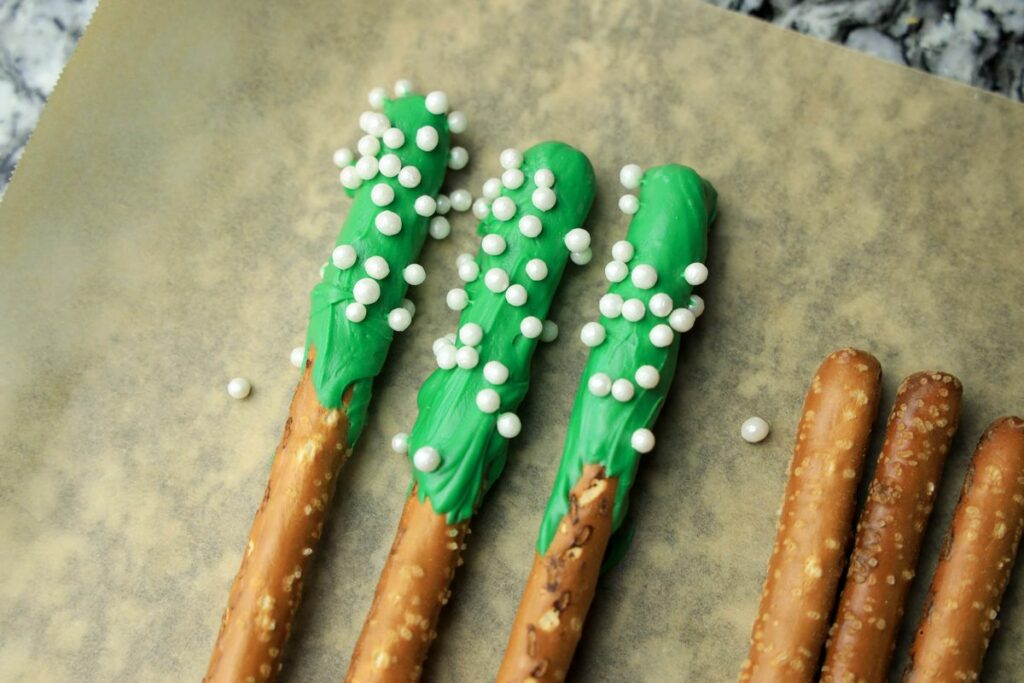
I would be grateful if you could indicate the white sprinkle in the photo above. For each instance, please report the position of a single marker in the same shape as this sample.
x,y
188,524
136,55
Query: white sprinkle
x,y
630,176
696,305
592,334
661,335
622,251
414,274
616,271
647,376
394,138
399,319
409,306
457,122
682,320
388,222
503,208
426,459
403,87
425,205
530,226
754,429
513,178
488,401
577,240
543,198
239,388
444,204
660,304
343,157
366,167
610,305
377,97
457,299
511,158
400,443
376,124
440,227
382,194
297,355
550,331
544,178
390,165
516,295
426,138
440,343
437,102
629,204
467,357
509,425
495,372
491,188
355,312
377,267
623,390
642,441
469,271
599,384
471,334
368,146
536,269
366,291
461,200
481,207
409,177
531,327
343,256
364,120
458,157
349,177
644,276
633,310
493,244
696,274
496,280
446,357
581,258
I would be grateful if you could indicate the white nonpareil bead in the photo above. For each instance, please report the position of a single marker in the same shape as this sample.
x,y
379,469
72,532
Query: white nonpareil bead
x,y
400,443
426,138
661,335
464,257
623,390
343,256
444,204
660,304
644,276
610,305
496,280
696,305
364,120
503,208
414,274
495,372
409,177
544,178
366,291
754,429
461,200
469,271
457,299
536,269
696,274
437,102
530,226
493,244
633,310
388,222
471,334
550,331
440,343
457,122
394,138
488,401
377,267
642,441
343,157
630,176
426,459
368,146
509,425
403,87
355,312
409,306
376,97
513,178
577,240
467,357
366,167
297,355
599,384
349,177
543,198
390,165
399,319
425,205
239,388
623,251
616,271
516,295
592,334
491,188
682,320
581,258
510,158
446,357
439,227
376,124
647,376
531,327
481,207
382,194
458,157
629,204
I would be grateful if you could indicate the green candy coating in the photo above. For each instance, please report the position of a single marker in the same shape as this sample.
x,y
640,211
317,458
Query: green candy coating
x,y
472,452
353,353
669,232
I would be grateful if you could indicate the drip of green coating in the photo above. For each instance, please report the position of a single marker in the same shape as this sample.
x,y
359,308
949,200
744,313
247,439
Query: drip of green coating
x,y
669,232
472,452
352,353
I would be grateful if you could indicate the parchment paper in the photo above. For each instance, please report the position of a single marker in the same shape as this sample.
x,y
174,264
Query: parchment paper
x,y
169,218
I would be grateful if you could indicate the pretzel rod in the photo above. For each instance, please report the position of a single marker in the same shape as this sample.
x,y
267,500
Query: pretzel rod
x,y
459,443
354,313
624,385
977,558
921,426
815,521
